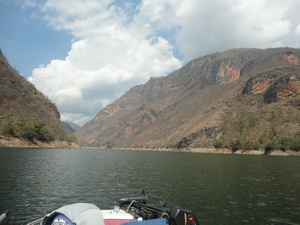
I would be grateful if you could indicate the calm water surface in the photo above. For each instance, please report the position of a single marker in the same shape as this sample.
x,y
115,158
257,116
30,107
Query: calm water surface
x,y
220,189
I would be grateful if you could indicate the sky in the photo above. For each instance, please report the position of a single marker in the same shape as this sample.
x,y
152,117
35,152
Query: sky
x,y
84,54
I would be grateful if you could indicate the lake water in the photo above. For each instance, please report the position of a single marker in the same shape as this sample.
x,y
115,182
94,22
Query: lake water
x,y
220,189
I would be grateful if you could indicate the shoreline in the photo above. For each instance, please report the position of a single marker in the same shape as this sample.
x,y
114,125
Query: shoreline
x,y
213,151
9,142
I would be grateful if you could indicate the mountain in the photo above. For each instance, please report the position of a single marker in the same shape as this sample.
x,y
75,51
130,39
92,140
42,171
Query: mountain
x,y
25,113
72,127
238,99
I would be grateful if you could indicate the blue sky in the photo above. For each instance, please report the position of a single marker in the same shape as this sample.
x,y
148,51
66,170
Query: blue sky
x,y
84,54
28,41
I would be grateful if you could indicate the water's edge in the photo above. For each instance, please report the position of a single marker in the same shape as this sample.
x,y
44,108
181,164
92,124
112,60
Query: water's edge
x,y
8,142
215,151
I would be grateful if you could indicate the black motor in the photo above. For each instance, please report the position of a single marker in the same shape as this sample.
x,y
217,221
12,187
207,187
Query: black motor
x,y
179,216
139,207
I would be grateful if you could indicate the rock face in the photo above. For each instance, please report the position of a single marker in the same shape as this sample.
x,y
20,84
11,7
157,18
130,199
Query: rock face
x,y
229,97
21,102
290,57
275,84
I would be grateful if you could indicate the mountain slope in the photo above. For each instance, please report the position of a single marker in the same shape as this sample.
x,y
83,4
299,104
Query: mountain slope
x,y
71,127
206,103
25,112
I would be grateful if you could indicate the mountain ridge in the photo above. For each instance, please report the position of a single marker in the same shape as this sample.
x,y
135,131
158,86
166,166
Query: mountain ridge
x,y
197,105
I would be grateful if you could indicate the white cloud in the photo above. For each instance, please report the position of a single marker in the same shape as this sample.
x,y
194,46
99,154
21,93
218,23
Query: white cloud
x,y
297,34
118,44
109,57
217,25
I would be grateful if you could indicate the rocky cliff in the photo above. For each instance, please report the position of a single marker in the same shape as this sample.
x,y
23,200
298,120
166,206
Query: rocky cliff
x,y
239,99
25,113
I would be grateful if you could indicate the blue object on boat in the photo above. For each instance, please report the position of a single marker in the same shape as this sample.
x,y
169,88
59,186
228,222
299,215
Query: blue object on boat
x,y
148,222
61,219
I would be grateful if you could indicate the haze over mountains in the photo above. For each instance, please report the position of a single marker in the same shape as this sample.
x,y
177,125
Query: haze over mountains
x,y
239,99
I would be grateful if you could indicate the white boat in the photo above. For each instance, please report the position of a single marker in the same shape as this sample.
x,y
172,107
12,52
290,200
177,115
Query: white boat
x,y
129,211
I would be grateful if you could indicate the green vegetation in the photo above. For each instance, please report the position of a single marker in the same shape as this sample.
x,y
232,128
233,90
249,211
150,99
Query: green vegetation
x,y
25,128
269,128
279,143
71,139
184,143
218,144
284,143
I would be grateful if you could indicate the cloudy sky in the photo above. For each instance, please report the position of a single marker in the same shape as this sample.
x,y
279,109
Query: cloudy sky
x,y
84,54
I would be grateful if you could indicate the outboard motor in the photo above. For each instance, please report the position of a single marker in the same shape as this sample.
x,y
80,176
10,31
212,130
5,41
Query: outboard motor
x,y
139,208
179,216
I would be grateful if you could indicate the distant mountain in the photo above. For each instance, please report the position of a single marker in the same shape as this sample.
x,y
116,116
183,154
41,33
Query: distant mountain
x,y
25,112
72,127
238,99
